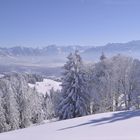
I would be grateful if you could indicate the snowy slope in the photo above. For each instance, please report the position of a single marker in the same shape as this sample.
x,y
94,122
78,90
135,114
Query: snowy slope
x,y
46,85
105,126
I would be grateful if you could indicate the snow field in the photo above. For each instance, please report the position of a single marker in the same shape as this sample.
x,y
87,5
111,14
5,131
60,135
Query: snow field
x,y
46,85
124,125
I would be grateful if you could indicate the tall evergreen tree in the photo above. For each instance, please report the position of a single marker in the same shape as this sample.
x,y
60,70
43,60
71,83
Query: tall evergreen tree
x,y
12,113
3,124
75,99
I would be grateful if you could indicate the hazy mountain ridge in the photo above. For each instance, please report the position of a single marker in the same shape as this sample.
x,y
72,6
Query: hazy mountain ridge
x,y
54,50
40,60
130,48
49,50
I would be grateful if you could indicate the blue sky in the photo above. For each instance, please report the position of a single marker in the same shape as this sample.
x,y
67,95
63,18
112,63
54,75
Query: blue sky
x,y
68,22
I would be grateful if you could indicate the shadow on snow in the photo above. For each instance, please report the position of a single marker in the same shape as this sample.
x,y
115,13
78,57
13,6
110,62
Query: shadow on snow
x,y
114,118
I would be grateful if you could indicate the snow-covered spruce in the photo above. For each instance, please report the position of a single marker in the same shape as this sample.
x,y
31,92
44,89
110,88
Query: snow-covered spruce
x,y
20,106
75,98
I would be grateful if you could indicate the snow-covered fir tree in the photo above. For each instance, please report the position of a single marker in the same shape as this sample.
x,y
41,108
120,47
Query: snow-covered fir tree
x,y
36,101
20,105
48,105
3,124
51,103
75,98
11,107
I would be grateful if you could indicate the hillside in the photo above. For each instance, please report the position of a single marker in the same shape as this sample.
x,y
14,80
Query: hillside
x,y
46,85
106,126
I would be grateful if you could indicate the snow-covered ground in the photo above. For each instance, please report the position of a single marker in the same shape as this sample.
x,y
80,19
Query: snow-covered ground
x,y
1,75
46,85
105,126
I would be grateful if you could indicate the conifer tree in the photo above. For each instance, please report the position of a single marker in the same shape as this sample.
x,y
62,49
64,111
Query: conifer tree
x,y
75,99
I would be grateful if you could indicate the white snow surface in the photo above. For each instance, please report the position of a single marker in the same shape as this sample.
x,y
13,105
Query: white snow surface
x,y
123,125
1,75
46,85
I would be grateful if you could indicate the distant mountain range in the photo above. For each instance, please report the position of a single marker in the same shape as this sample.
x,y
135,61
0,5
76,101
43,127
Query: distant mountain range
x,y
54,56
49,50
53,50
131,48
